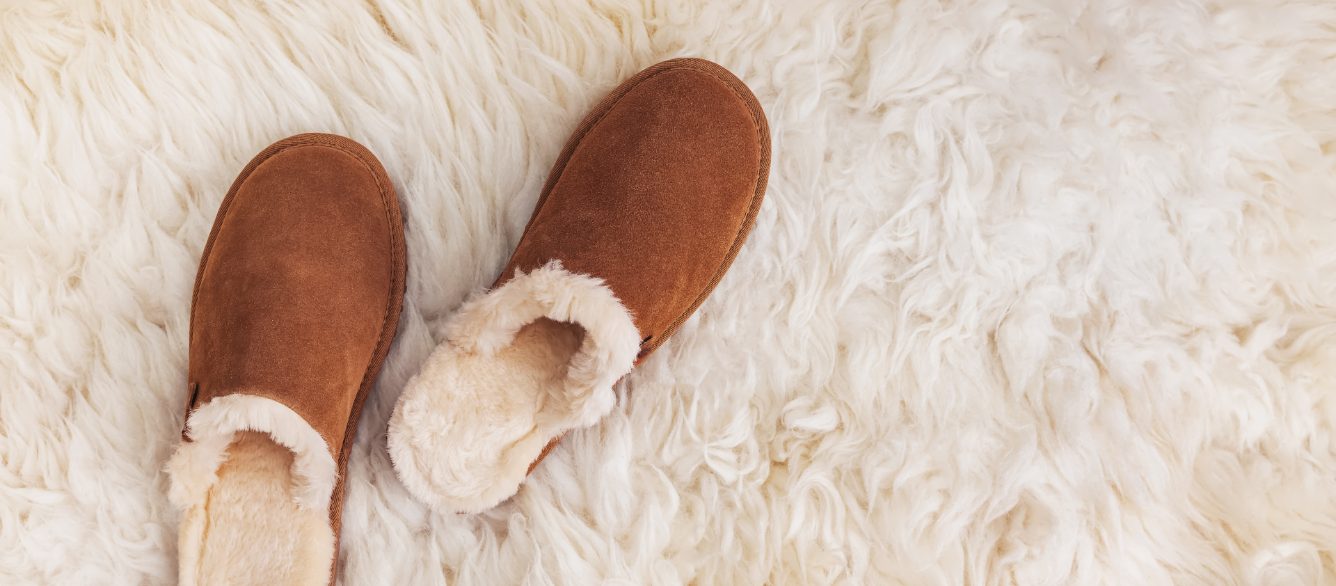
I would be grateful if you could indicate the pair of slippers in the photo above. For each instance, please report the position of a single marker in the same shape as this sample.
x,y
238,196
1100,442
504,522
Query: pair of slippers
x,y
301,284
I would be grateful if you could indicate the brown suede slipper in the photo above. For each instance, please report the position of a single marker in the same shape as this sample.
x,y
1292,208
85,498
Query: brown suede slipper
x,y
640,218
296,302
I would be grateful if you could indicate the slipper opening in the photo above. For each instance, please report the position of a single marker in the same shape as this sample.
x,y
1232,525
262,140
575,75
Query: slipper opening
x,y
520,366
254,485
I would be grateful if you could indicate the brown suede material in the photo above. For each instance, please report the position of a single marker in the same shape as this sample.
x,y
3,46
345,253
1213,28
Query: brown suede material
x,y
655,193
300,286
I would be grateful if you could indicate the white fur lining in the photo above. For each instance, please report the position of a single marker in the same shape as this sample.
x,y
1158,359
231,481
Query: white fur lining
x,y
250,530
194,466
489,322
465,431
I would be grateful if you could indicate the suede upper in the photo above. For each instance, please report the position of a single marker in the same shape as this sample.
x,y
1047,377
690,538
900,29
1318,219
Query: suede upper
x,y
300,287
656,192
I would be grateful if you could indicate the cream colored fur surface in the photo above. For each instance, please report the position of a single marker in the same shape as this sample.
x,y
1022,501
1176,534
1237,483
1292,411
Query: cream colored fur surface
x,y
463,441
1042,292
253,486
212,427
250,529
521,365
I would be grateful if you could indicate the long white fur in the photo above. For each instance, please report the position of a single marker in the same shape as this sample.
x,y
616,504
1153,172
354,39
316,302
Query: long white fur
x,y
1041,291
459,444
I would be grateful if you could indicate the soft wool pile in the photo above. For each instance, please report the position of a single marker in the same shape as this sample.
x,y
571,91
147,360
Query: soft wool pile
x,y
1043,292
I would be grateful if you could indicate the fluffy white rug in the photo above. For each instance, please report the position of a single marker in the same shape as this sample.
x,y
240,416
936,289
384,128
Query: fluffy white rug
x,y
1044,292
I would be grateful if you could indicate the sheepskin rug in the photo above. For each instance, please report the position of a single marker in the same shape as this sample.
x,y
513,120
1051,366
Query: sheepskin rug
x,y
1044,292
